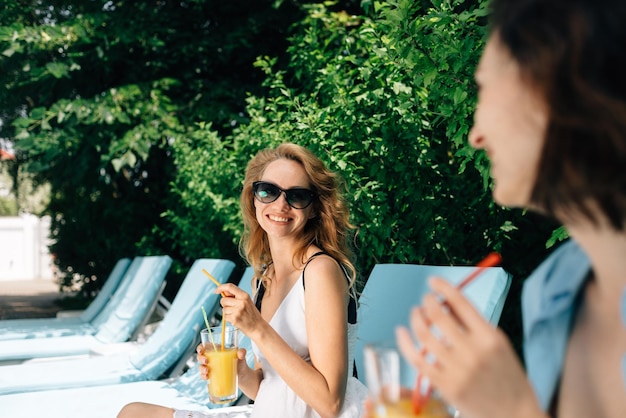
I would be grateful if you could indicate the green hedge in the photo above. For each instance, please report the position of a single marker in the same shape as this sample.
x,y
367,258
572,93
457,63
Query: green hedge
x,y
150,157
386,100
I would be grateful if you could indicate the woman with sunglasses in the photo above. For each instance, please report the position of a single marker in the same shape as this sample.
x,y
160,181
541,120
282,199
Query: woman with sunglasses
x,y
302,322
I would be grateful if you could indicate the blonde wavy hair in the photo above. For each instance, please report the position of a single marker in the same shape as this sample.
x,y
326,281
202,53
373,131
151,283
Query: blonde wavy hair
x,y
330,229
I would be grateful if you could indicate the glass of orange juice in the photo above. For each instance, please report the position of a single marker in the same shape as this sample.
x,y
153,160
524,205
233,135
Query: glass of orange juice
x,y
384,373
220,349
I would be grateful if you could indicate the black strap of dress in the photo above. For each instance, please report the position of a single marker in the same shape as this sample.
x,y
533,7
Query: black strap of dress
x,y
352,308
351,303
258,297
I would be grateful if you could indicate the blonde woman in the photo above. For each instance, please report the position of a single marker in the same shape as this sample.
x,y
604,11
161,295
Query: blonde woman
x,y
302,323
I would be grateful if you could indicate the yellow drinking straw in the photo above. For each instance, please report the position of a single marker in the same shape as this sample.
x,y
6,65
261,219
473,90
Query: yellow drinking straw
x,y
214,280
223,331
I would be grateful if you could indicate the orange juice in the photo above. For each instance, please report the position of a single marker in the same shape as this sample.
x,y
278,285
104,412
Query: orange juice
x,y
434,408
223,374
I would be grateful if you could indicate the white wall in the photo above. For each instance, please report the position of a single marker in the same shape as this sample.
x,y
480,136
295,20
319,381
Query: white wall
x,y
24,252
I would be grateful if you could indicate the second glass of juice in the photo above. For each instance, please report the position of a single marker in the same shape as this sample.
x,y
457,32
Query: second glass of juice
x,y
383,370
220,349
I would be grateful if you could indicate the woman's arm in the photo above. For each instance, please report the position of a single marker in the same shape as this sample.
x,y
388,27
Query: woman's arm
x,y
322,383
475,367
249,379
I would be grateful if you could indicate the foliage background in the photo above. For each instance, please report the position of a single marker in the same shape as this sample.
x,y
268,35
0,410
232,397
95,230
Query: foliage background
x,y
142,116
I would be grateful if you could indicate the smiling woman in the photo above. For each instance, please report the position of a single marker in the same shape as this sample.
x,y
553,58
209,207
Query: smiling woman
x,y
509,124
295,220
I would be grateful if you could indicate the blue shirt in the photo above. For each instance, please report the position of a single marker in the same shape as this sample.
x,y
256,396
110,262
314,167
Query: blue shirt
x,y
549,303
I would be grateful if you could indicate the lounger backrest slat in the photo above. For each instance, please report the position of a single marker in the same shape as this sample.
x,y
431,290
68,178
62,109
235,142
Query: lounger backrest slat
x,y
108,290
136,297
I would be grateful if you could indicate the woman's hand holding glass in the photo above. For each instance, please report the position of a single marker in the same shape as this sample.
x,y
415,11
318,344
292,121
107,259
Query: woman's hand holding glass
x,y
474,368
205,368
238,310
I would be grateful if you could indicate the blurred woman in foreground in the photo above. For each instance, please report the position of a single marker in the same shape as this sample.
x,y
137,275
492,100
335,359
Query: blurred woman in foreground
x,y
551,116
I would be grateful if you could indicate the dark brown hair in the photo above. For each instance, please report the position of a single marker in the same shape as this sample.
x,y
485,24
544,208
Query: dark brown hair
x,y
574,53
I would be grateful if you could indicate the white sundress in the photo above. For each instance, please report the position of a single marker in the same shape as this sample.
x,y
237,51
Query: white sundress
x,y
275,399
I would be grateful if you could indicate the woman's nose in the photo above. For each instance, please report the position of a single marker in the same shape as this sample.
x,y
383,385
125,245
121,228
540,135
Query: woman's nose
x,y
283,200
476,138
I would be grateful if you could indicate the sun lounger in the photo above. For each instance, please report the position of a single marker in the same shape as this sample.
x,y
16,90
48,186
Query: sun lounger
x,y
107,401
137,298
187,391
393,289
12,329
161,352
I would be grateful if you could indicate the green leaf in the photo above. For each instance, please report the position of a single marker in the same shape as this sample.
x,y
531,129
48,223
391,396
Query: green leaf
x,y
459,96
38,113
559,234
57,69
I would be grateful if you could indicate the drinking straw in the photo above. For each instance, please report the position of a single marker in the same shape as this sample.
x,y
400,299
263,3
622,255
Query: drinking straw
x,y
493,259
208,327
223,331
214,280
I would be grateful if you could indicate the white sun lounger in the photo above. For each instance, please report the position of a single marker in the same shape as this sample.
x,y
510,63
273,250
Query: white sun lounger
x,y
137,297
151,360
188,391
11,329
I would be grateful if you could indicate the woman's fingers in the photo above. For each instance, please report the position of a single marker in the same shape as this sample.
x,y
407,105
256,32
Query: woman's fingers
x,y
408,348
440,331
460,306
448,321
200,354
202,361
445,326
230,290
470,362
240,311
204,372
203,366
415,354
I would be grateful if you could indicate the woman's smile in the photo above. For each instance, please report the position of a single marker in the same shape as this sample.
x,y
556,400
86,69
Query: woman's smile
x,y
278,218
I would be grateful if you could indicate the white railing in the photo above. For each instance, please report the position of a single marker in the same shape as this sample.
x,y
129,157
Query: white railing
x,y
24,252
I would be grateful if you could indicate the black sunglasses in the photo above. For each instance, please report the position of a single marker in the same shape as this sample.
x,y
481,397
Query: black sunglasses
x,y
297,198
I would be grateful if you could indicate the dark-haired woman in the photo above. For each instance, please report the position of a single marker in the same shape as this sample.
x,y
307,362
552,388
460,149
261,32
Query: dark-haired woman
x,y
551,116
